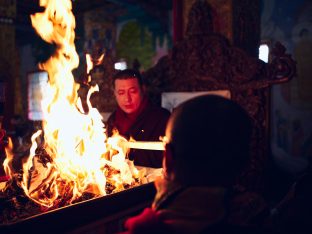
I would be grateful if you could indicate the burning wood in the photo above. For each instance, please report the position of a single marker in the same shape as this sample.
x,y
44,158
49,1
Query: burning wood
x,y
16,205
146,145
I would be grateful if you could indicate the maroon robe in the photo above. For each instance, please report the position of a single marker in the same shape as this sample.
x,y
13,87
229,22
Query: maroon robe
x,y
147,124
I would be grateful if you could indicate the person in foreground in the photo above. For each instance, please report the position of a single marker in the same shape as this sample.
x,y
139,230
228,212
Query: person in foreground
x,y
136,117
206,149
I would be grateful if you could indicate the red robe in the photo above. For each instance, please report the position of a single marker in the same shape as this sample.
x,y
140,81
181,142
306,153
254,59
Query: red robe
x,y
147,124
184,210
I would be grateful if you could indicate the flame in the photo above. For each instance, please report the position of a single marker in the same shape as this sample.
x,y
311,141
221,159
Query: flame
x,y
8,160
72,144
89,66
91,62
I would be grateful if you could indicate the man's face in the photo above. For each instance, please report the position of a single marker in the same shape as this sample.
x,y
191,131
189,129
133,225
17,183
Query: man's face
x,y
129,94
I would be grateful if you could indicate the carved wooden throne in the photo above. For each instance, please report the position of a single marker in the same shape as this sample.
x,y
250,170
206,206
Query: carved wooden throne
x,y
206,61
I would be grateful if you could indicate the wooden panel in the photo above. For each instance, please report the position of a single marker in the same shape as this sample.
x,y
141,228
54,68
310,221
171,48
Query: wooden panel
x,y
207,61
237,20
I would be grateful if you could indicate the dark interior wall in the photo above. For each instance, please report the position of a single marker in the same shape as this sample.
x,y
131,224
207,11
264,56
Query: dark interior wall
x,y
290,22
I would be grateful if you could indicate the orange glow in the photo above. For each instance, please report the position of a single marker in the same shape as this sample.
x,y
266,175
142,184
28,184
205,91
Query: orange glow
x,y
8,160
73,143
89,66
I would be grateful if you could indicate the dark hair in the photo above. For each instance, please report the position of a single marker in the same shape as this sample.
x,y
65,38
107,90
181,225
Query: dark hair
x,y
210,139
127,74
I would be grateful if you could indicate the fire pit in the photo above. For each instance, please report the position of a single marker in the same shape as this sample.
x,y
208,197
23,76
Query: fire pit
x,y
99,215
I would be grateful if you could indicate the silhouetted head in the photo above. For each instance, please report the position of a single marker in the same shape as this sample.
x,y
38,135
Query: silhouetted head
x,y
208,141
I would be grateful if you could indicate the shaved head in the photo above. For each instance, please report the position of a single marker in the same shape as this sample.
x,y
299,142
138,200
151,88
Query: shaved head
x,y
209,139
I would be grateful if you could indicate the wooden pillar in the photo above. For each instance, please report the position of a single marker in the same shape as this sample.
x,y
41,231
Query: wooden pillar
x,y
177,15
237,20
246,25
8,71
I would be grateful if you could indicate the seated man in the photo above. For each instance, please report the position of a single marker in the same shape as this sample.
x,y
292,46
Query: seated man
x,y
207,147
136,117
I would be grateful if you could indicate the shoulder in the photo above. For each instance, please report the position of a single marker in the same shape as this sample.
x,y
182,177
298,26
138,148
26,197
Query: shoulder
x,y
159,111
110,123
111,117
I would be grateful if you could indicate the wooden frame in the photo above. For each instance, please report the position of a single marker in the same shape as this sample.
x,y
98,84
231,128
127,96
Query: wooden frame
x,y
206,61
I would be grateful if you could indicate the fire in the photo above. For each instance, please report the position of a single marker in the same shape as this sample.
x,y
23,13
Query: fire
x,y
68,157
